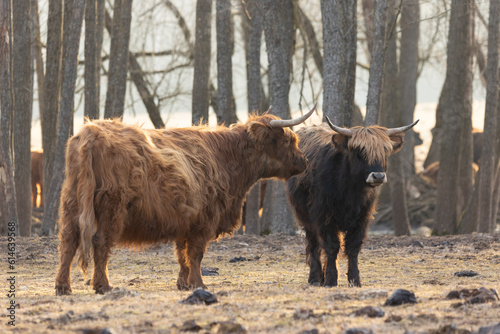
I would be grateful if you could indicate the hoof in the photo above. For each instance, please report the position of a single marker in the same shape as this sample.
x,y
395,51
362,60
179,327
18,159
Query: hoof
x,y
356,284
63,290
100,290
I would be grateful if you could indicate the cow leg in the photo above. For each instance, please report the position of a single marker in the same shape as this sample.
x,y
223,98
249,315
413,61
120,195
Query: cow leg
x,y
331,245
353,243
69,237
110,226
313,255
182,280
195,250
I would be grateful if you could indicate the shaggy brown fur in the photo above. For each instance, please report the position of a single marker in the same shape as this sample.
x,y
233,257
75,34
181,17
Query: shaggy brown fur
x,y
130,186
36,176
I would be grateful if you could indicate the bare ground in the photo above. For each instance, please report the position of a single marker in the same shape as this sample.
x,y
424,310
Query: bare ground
x,y
268,294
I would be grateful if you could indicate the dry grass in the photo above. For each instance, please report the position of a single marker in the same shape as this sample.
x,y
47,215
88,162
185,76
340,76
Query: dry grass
x,y
264,294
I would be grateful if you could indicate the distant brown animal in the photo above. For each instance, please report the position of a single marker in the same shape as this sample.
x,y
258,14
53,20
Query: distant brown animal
x,y
36,177
430,174
126,185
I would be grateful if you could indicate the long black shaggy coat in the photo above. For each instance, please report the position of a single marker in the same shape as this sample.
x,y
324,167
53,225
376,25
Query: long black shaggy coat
x,y
336,196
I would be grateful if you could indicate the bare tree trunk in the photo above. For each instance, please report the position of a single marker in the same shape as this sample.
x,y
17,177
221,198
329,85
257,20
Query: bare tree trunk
x,y
488,166
40,72
408,73
118,59
140,82
71,42
8,213
201,77
456,103
376,64
312,41
279,35
252,31
391,105
339,48
52,91
22,73
368,7
225,42
92,59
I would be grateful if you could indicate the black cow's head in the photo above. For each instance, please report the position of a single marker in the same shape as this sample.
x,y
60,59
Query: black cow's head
x,y
278,145
369,149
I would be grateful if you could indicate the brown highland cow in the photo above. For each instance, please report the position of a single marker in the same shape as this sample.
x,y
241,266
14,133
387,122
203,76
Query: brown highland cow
x,y
130,186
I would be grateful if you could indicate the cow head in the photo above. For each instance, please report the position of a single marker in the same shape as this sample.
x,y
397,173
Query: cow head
x,y
277,145
369,148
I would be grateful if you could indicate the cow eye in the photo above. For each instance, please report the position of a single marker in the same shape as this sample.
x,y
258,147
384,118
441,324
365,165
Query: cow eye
x,y
360,155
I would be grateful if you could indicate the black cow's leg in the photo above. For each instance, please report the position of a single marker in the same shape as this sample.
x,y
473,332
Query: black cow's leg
x,y
196,246
313,254
180,250
353,243
331,245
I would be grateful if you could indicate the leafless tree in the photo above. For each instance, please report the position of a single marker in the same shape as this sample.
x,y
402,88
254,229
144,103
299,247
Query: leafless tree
x,y
225,44
200,100
252,34
8,207
339,48
71,41
456,103
94,16
118,61
22,73
280,37
52,90
376,63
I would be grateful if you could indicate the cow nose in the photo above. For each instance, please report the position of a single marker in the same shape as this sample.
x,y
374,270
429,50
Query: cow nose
x,y
376,178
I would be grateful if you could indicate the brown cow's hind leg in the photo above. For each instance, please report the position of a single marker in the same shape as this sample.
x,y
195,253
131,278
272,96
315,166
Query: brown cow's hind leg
x,y
182,280
195,250
70,240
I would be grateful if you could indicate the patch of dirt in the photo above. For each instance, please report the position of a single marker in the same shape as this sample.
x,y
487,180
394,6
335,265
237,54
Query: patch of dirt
x,y
268,294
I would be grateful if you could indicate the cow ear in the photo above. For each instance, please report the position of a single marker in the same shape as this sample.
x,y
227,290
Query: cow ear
x,y
398,141
260,132
340,142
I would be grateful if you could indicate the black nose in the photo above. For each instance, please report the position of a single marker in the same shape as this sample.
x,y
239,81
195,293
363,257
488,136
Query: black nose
x,y
378,176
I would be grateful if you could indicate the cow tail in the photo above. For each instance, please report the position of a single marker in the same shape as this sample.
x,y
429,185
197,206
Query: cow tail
x,y
85,195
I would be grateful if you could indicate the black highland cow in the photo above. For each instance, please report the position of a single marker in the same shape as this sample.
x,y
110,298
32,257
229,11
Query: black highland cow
x,y
336,195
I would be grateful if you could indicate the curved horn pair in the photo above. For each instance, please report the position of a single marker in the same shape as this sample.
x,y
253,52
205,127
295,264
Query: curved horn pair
x,y
279,123
390,132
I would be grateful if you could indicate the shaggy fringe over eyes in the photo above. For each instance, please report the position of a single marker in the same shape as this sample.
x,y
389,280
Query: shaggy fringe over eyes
x,y
373,141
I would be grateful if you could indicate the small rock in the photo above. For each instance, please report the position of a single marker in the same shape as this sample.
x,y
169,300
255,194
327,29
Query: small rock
x,y
200,296
228,327
118,293
394,318
484,295
449,329
104,330
210,271
311,331
370,311
417,243
466,273
303,314
237,259
358,331
401,296
493,329
190,326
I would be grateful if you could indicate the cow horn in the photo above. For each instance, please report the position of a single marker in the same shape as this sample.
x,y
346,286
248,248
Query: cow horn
x,y
394,131
268,111
342,131
279,123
